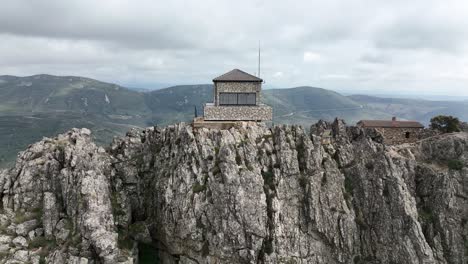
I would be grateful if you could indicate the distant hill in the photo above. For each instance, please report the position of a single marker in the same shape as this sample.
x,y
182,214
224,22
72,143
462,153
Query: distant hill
x,y
44,105
306,105
413,109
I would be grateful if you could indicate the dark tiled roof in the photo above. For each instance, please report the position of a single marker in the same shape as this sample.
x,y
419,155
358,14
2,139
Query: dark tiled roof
x,y
390,123
237,75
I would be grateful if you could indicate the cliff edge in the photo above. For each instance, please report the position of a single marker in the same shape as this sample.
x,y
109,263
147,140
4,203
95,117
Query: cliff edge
x,y
251,194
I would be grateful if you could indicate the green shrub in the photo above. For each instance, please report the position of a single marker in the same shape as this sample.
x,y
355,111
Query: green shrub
x,y
124,241
324,180
302,181
360,221
268,179
238,159
445,124
426,214
455,164
38,242
4,255
147,253
197,187
348,185
370,165
216,170
21,217
137,228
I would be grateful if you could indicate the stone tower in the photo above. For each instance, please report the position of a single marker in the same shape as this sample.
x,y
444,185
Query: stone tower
x,y
237,97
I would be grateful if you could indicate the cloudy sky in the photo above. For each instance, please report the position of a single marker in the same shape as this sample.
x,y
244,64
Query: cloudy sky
x,y
384,46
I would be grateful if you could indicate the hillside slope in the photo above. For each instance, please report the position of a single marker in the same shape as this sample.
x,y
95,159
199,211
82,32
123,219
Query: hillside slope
x,y
306,105
413,109
44,105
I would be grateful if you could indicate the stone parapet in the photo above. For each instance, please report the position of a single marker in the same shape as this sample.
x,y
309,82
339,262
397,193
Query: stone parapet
x,y
238,113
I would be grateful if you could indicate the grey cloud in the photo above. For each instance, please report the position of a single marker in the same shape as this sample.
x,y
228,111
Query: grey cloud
x,y
375,58
188,41
414,35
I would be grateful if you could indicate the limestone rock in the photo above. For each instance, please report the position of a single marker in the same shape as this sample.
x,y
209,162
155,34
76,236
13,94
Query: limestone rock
x,y
24,228
250,194
20,241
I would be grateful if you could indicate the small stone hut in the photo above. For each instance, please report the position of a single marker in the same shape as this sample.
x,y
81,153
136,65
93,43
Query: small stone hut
x,y
237,97
395,131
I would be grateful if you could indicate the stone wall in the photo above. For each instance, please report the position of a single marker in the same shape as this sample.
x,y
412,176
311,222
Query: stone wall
x,y
243,113
238,87
396,135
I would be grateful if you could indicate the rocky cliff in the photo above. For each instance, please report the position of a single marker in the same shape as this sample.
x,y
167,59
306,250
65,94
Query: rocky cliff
x,y
246,195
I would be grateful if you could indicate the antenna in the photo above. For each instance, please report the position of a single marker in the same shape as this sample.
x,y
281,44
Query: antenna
x,y
258,59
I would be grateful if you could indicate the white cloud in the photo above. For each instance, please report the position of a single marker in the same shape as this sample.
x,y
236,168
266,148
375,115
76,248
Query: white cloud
x,y
278,75
310,56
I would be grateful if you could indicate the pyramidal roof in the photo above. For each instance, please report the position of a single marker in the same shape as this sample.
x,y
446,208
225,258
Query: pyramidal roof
x,y
237,75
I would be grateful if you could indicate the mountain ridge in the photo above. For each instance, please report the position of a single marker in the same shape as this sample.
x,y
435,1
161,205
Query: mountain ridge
x,y
43,105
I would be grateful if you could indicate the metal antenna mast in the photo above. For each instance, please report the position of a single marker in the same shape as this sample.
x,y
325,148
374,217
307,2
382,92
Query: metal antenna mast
x,y
259,59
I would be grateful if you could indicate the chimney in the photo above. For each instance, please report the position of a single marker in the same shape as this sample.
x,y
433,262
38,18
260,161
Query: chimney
x,y
394,118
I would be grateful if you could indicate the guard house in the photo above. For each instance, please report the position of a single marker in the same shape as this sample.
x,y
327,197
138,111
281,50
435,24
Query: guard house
x,y
395,131
237,97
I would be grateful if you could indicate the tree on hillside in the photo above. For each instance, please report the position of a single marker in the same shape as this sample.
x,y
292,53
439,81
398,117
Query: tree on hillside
x,y
445,124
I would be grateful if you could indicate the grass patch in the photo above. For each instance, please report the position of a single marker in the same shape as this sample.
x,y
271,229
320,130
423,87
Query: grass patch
x,y
124,241
426,214
238,159
268,179
348,184
116,207
455,164
369,165
197,187
137,228
302,180
4,255
324,180
21,217
38,242
360,221
46,246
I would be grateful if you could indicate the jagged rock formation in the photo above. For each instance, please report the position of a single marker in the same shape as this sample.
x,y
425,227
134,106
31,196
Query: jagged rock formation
x,y
56,204
246,195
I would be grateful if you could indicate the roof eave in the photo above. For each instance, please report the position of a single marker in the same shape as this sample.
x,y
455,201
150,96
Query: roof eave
x,y
214,80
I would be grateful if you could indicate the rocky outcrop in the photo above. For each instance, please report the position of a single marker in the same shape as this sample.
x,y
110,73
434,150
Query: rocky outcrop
x,y
57,204
250,194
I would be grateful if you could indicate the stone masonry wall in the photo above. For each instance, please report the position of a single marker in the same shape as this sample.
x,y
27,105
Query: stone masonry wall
x,y
238,87
244,113
396,135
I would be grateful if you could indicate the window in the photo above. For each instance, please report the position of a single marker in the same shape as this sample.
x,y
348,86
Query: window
x,y
407,134
237,99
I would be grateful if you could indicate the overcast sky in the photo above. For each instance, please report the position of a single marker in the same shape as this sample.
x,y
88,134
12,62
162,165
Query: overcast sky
x,y
386,46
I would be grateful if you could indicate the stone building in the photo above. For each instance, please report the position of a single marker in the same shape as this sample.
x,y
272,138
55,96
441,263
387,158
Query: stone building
x,y
237,97
395,131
